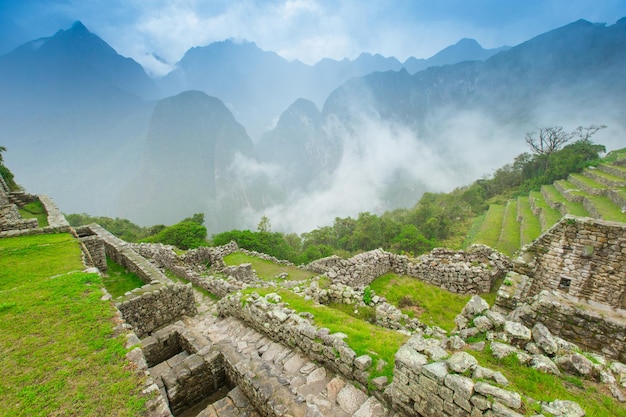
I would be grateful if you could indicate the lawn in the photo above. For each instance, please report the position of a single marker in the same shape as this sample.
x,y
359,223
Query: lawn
x,y
267,270
118,280
530,228
489,232
58,355
35,210
509,241
430,304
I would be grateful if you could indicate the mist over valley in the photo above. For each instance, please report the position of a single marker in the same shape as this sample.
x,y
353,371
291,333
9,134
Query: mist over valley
x,y
237,132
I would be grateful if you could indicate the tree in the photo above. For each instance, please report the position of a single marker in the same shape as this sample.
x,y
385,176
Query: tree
x,y
547,141
264,225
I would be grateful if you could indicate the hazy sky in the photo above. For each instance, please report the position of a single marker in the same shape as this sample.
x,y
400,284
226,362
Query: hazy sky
x,y
305,29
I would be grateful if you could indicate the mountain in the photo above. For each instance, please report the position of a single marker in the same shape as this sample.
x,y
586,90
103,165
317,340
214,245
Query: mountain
x,y
190,165
72,114
258,85
571,73
300,146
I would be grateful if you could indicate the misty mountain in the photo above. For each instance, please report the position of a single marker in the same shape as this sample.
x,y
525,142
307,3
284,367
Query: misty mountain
x,y
300,146
572,73
189,165
72,116
258,85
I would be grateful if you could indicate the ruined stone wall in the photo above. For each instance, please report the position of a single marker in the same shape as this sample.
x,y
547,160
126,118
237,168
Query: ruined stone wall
x,y
466,272
583,257
12,224
287,327
362,269
153,306
122,253
594,328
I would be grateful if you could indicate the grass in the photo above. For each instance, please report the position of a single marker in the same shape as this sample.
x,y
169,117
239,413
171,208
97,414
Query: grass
x,y
530,229
432,305
171,275
575,209
609,177
473,230
615,155
363,337
509,241
268,270
550,215
119,280
58,355
607,209
544,387
489,232
35,210
588,181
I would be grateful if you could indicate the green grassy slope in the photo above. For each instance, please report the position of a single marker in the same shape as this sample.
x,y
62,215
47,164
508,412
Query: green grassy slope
x,y
58,355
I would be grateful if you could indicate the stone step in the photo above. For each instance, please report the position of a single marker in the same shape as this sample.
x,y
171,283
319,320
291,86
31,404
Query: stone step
x,y
616,170
587,184
540,208
558,201
307,388
605,178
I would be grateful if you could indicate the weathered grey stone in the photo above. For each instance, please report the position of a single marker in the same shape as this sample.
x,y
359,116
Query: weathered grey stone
x,y
350,398
436,353
544,339
544,364
575,363
379,382
371,408
496,318
461,362
501,350
455,343
500,410
508,398
410,358
436,371
560,408
475,306
462,386
363,362
482,323
467,333
517,333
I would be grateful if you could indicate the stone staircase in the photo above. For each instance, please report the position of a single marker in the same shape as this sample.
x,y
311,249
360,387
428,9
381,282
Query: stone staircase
x,y
263,378
598,192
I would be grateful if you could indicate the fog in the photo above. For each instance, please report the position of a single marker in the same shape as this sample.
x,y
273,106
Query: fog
x,y
378,155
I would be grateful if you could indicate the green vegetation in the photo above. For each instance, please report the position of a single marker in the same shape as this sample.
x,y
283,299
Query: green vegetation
x,y
417,299
59,356
545,387
607,209
548,215
489,232
530,228
364,338
554,195
118,280
509,240
6,173
122,228
187,234
35,210
268,270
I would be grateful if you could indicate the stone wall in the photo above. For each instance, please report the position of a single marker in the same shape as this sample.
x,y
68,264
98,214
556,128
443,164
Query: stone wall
x,y
93,248
582,257
122,253
12,224
466,272
291,329
423,386
595,328
153,306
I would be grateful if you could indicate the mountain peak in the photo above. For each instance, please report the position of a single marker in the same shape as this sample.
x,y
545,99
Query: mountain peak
x,y
78,27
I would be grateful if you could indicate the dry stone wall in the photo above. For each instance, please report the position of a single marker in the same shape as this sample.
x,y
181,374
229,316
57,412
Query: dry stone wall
x,y
595,328
582,257
283,325
153,306
466,272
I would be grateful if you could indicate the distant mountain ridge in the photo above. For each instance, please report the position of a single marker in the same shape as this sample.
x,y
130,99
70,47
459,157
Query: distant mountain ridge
x,y
80,123
258,85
